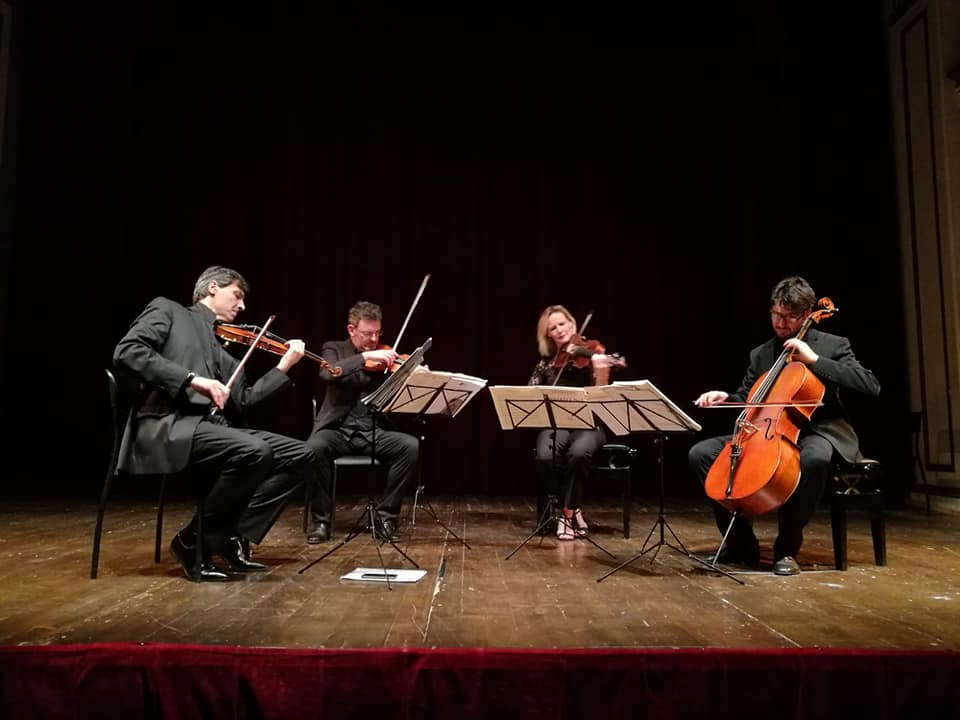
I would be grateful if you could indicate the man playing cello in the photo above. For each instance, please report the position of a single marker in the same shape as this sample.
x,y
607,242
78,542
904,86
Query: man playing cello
x,y
830,358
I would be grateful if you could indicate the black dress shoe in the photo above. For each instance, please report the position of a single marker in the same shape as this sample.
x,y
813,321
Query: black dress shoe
x,y
186,556
320,533
786,566
734,555
234,553
386,530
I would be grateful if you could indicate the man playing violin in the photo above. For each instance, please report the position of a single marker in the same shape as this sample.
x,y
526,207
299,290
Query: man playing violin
x,y
556,335
831,359
343,425
173,352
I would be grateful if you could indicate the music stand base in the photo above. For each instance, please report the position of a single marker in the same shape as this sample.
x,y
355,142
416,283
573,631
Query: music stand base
x,y
428,508
366,524
551,513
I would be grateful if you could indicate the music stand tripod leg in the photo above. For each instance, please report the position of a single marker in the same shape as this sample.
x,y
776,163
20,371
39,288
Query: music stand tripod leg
x,y
421,490
428,508
360,526
548,515
713,563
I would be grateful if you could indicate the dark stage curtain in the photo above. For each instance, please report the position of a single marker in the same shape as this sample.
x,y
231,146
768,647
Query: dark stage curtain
x,y
661,168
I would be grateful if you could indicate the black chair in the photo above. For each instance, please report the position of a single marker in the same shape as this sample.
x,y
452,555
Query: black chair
x,y
616,460
613,460
856,487
121,405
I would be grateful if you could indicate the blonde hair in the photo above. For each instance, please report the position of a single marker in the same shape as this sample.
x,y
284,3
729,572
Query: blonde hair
x,y
546,346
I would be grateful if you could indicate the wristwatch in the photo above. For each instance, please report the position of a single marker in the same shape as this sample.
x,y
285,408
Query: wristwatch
x,y
189,380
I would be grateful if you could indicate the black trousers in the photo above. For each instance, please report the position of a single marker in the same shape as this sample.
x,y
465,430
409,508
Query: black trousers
x,y
399,450
575,449
816,454
253,473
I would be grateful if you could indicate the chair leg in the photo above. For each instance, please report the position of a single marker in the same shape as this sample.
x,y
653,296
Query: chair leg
x,y
160,504
198,557
307,504
333,502
878,530
627,499
838,523
98,530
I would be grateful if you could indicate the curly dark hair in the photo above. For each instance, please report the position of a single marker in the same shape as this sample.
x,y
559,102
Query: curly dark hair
x,y
794,293
364,310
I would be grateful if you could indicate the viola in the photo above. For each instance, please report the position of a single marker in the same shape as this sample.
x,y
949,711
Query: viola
x,y
759,469
247,335
374,366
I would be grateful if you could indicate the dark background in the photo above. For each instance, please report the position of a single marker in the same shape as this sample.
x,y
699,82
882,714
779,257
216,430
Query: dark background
x,y
662,167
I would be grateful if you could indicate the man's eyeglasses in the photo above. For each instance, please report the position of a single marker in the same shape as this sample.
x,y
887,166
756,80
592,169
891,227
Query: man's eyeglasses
x,y
786,317
369,334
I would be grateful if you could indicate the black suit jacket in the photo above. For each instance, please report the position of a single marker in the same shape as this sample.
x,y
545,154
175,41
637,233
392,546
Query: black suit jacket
x,y
838,368
345,390
164,344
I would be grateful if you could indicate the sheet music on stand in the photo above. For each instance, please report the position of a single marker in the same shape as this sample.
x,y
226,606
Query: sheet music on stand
x,y
539,406
624,407
434,392
637,406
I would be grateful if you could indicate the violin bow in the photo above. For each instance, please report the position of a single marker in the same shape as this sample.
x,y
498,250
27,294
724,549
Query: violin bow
x,y
586,321
246,356
423,285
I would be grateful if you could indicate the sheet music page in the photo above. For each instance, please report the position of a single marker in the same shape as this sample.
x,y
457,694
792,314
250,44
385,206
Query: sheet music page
x,y
611,413
523,406
435,392
656,410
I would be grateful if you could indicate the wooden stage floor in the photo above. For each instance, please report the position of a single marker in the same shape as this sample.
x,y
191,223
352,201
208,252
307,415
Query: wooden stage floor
x,y
545,597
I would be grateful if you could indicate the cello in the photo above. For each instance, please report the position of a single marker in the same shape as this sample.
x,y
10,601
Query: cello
x,y
759,468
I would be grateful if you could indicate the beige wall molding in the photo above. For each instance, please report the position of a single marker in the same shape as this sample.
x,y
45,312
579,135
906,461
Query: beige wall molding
x,y
925,131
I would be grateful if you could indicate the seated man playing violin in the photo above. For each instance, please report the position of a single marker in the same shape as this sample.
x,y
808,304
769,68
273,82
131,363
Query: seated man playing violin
x,y
343,425
831,360
558,344
187,417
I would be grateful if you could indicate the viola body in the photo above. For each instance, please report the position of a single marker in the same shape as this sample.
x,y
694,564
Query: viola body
x,y
378,367
759,469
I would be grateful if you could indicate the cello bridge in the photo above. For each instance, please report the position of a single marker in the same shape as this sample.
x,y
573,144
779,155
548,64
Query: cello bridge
x,y
748,427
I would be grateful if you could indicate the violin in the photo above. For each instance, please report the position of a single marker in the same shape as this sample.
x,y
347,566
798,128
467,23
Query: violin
x,y
579,351
759,469
247,335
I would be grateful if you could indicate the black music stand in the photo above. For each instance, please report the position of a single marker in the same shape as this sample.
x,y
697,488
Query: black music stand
x,y
368,522
433,393
545,407
638,407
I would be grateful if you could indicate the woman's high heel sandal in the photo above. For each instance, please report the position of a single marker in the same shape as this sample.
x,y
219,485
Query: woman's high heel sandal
x,y
580,526
565,528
